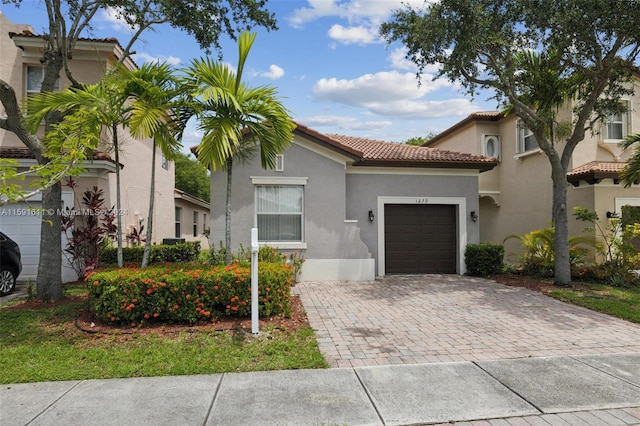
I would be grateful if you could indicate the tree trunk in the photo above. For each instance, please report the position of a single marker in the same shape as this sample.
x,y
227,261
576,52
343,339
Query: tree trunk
x,y
114,129
562,267
227,218
49,280
147,244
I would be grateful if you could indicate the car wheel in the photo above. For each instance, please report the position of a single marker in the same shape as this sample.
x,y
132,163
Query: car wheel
x,y
7,281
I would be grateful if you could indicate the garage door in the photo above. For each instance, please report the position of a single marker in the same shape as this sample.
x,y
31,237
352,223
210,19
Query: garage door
x,y
420,239
22,224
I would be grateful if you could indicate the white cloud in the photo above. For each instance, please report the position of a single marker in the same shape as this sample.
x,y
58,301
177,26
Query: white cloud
x,y
343,122
145,57
274,73
422,109
373,88
363,17
352,35
114,18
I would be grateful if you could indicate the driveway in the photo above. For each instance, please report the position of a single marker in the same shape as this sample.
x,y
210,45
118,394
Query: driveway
x,y
411,319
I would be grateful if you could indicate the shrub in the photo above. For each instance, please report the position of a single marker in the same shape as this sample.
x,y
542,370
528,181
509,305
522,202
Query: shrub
x,y
183,252
265,254
538,256
484,259
186,293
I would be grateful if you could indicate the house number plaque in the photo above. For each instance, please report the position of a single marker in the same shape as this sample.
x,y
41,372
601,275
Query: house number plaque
x,y
422,200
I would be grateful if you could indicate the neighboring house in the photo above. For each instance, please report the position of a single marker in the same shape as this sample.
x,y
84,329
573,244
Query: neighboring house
x,y
191,218
516,196
356,208
22,69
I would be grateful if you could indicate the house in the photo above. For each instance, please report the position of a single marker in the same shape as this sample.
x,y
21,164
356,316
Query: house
x,y
191,216
516,196
356,208
22,69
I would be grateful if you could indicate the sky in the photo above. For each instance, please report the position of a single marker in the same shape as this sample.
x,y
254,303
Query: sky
x,y
332,70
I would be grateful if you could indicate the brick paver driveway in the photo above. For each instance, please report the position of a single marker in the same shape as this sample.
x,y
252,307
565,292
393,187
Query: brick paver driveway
x,y
436,318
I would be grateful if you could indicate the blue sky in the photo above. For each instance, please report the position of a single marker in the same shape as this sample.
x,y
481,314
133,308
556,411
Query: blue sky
x,y
327,61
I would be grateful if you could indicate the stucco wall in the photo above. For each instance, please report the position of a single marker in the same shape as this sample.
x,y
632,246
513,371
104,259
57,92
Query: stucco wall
x,y
324,199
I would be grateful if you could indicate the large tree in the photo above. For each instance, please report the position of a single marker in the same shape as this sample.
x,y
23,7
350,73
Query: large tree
x,y
192,177
235,118
534,55
205,20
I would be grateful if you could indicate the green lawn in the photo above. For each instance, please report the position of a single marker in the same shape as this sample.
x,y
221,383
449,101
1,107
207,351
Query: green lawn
x,y
619,302
43,345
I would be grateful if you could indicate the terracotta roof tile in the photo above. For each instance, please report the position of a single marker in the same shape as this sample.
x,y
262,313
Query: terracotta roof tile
x,y
17,152
375,151
595,171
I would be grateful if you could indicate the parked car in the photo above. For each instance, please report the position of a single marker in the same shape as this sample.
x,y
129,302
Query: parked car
x,y
10,264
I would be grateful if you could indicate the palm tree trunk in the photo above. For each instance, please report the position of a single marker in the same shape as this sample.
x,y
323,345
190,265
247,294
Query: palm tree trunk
x,y
114,129
227,218
152,189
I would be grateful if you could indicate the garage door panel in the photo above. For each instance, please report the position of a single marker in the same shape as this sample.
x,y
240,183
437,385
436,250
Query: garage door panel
x,y
420,238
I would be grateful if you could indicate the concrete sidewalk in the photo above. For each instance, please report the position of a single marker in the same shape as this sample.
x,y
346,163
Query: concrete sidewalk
x,y
574,390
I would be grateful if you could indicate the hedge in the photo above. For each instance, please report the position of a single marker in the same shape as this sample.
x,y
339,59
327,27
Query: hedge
x,y
187,293
183,252
484,259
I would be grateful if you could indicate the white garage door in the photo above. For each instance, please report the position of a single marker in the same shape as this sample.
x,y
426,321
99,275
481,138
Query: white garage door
x,y
22,225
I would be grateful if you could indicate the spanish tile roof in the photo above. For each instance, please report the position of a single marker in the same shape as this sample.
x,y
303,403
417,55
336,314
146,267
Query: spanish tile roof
x,y
29,34
21,153
375,152
370,152
595,171
475,116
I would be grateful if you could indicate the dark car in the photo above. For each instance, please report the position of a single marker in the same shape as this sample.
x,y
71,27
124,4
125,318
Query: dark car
x,y
10,264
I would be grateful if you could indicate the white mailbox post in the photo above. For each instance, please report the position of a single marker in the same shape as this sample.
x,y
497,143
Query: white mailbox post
x,y
254,280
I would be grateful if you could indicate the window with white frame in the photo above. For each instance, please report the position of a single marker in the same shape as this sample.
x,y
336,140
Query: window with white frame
x,y
164,162
35,75
195,224
279,163
178,222
279,212
527,141
616,126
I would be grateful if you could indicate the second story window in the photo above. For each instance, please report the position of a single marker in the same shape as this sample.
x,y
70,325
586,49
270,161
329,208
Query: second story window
x,y
616,126
35,75
164,162
526,139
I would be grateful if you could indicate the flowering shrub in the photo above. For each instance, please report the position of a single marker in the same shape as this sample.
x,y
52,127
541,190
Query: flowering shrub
x,y
187,292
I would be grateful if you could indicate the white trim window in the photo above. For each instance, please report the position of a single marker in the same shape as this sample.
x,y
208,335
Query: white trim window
x,y
527,141
279,212
195,223
178,230
34,78
615,127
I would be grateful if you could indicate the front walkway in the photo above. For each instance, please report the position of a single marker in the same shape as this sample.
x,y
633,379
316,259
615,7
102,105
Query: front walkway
x,y
440,318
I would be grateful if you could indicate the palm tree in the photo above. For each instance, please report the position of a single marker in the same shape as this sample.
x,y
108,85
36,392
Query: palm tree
x,y
152,92
235,118
87,110
631,173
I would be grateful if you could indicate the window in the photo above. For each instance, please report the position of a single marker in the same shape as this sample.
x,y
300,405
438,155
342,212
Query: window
x,y
279,212
195,224
204,223
526,139
616,127
165,162
279,163
178,222
35,75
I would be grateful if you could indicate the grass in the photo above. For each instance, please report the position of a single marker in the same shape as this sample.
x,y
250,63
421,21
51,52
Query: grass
x,y
43,345
616,301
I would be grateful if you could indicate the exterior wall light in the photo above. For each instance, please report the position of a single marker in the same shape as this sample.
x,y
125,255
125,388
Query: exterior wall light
x,y
474,216
611,215
371,216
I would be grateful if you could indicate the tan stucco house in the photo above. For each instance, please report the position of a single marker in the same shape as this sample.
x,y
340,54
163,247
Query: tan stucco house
x,y
515,197
191,218
22,69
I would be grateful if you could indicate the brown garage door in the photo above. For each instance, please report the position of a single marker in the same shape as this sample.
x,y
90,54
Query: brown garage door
x,y
420,239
